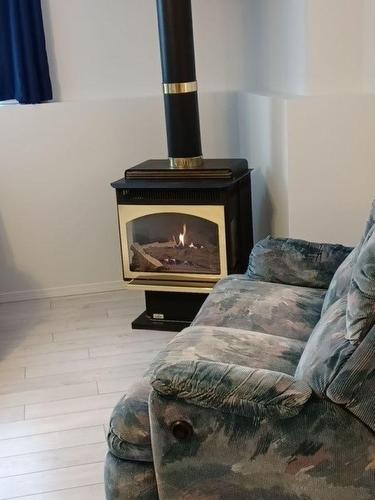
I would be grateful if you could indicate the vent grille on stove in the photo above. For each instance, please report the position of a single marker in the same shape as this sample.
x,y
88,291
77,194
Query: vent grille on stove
x,y
180,197
181,175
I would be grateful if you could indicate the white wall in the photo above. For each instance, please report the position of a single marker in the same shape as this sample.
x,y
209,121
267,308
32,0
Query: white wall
x,y
331,167
314,160
57,209
309,47
276,46
58,222
287,83
335,46
263,142
109,49
330,131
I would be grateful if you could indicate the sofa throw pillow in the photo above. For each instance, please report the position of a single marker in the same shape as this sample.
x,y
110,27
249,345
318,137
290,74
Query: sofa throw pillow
x,y
295,262
360,314
341,281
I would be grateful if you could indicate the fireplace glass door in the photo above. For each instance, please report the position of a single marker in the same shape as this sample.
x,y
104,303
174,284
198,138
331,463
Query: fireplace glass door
x,y
183,241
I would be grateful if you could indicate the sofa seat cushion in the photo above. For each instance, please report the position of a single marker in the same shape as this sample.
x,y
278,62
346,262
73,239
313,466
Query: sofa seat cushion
x,y
272,308
129,430
232,346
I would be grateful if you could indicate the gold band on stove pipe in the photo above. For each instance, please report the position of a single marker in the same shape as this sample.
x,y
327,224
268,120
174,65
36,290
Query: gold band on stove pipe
x,y
180,88
194,162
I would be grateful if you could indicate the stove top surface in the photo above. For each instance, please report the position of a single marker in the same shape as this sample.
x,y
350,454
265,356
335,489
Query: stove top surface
x,y
224,169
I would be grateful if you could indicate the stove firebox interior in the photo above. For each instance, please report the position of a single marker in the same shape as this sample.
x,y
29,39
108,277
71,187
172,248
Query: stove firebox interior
x,y
173,243
185,222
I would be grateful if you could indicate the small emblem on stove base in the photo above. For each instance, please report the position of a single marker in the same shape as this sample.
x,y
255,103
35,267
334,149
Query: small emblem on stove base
x,y
158,316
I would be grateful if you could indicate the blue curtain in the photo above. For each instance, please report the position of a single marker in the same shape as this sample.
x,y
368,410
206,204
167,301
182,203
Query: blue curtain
x,y
24,72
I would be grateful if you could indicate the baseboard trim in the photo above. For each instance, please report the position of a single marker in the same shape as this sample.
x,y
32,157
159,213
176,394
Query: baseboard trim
x,y
64,291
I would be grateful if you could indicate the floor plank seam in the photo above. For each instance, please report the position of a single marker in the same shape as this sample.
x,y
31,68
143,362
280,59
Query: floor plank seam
x,y
53,470
53,449
2,396
57,491
51,432
17,356
63,415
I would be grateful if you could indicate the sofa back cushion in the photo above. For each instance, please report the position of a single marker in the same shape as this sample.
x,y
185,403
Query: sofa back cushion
x,y
337,368
360,316
341,281
326,350
353,387
371,219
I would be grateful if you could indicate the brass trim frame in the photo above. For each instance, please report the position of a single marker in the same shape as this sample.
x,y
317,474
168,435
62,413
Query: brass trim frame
x,y
169,286
180,88
194,162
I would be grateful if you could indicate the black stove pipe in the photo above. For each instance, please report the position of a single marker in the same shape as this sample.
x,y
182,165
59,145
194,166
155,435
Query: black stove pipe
x,y
179,83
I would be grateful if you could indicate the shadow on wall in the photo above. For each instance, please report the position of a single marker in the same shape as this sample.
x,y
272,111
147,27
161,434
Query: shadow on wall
x,y
262,141
17,320
224,142
254,113
263,209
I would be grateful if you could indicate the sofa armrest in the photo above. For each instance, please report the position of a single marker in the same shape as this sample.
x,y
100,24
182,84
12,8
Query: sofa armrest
x,y
296,262
204,453
232,389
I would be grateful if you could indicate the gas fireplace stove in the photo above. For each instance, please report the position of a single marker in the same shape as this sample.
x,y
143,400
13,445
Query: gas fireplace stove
x,y
185,222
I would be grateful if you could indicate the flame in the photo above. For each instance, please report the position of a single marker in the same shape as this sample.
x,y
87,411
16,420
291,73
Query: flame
x,y
181,237
182,240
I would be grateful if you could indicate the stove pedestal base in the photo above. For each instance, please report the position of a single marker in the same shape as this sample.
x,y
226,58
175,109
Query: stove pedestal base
x,y
168,311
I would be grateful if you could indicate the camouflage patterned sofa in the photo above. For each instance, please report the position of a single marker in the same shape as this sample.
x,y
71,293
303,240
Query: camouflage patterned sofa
x,y
269,395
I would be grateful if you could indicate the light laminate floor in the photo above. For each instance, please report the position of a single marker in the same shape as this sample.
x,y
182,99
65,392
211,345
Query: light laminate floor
x,y
64,363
